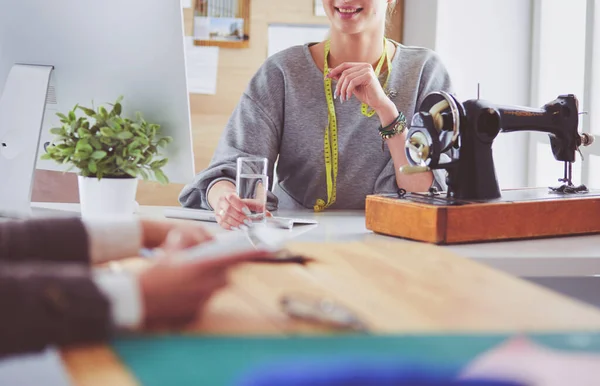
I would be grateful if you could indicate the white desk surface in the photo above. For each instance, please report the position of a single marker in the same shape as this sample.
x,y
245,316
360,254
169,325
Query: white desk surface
x,y
564,256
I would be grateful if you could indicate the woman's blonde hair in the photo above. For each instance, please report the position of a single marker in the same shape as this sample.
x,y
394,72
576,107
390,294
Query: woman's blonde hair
x,y
390,12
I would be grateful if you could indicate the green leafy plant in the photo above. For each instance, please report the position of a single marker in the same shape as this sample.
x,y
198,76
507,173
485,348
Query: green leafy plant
x,y
103,144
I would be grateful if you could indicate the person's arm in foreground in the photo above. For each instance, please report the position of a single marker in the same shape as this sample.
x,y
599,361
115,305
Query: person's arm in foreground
x,y
97,241
57,303
64,304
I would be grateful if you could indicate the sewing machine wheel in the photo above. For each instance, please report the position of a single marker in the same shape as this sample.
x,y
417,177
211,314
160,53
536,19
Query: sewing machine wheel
x,y
421,148
438,104
435,132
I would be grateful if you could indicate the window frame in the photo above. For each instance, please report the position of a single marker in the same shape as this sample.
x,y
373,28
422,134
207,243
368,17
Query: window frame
x,y
588,101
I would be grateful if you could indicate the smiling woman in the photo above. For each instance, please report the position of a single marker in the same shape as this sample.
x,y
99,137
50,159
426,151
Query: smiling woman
x,y
363,14
332,114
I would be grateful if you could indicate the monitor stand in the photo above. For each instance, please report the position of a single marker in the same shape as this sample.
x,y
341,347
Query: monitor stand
x,y
22,107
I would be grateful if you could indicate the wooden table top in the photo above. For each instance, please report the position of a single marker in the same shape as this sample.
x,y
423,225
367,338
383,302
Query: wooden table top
x,y
408,288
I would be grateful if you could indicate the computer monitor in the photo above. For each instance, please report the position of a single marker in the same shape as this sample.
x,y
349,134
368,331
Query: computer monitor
x,y
94,51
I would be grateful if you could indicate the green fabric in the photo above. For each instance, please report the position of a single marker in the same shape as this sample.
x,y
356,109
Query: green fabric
x,y
215,361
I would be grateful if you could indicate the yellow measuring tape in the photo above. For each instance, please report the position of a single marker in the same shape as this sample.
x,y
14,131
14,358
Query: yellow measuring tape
x,y
331,135
368,112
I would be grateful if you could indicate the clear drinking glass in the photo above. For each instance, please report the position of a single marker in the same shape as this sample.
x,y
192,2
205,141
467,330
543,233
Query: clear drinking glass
x,y
252,184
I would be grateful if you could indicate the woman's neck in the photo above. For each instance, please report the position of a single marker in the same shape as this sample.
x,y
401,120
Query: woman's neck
x,y
363,47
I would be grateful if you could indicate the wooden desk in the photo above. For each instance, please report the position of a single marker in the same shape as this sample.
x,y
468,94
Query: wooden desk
x,y
395,288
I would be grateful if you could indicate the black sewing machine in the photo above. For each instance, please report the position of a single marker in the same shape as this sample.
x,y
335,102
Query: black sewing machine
x,y
458,137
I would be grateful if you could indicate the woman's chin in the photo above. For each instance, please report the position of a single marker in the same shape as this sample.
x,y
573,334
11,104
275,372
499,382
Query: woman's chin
x,y
349,27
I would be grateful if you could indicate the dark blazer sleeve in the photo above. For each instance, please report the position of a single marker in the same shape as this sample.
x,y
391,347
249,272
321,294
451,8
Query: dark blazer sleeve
x,y
63,239
54,304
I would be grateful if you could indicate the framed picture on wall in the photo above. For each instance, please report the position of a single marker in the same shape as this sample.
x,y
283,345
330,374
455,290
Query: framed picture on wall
x,y
226,29
222,23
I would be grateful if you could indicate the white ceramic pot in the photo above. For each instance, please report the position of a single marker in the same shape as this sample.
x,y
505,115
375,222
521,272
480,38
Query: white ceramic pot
x,y
109,197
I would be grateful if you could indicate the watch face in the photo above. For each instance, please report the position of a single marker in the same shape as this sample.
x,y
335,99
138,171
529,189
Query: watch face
x,y
391,93
400,126
404,126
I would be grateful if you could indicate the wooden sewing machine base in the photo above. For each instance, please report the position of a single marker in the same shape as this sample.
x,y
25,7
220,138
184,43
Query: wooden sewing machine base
x,y
519,214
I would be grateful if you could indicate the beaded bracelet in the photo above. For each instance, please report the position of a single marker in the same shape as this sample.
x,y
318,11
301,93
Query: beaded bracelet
x,y
394,128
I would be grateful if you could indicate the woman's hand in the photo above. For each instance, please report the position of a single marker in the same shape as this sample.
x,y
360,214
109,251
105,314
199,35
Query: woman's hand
x,y
172,234
231,211
359,79
175,294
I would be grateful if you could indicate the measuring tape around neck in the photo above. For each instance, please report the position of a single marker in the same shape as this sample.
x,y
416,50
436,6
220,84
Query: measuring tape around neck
x,y
331,135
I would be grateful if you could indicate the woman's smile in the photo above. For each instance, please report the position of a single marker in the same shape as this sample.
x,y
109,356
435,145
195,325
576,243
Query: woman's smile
x,y
347,12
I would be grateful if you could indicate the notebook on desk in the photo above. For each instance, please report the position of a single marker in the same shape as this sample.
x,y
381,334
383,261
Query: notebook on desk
x,y
209,216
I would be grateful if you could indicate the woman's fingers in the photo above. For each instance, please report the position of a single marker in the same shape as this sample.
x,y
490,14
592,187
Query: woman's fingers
x,y
175,241
227,216
173,294
359,80
155,232
255,205
343,78
233,212
352,80
238,204
238,211
184,237
337,71
229,224
197,235
209,281
234,216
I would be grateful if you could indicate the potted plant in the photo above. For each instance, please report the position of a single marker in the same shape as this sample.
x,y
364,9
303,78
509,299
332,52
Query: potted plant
x,y
111,152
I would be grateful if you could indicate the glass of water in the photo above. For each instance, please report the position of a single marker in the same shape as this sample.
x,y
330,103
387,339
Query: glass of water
x,y
252,183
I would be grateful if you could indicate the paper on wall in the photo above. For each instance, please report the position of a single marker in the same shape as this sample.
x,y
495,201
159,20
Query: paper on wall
x,y
202,27
282,36
186,3
202,67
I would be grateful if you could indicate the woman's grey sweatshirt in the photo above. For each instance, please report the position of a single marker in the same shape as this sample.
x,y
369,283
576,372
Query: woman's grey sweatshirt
x,y
282,115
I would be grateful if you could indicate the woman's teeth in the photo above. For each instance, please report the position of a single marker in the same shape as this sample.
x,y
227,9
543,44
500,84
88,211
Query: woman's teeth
x,y
349,10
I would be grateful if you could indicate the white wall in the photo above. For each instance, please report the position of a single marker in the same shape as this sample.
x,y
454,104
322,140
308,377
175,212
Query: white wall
x,y
420,23
486,42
